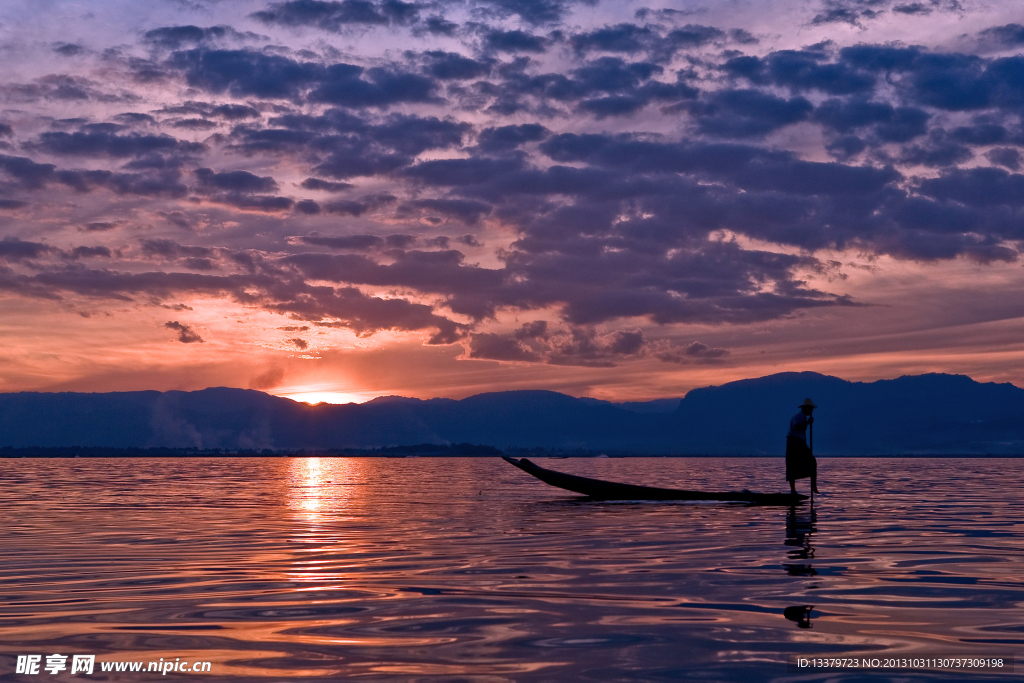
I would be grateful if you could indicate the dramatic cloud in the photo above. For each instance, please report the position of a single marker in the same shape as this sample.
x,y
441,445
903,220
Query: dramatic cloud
x,y
186,335
1011,34
628,180
535,342
332,16
14,249
176,37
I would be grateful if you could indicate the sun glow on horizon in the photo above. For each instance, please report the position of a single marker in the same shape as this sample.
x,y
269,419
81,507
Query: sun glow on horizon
x,y
314,396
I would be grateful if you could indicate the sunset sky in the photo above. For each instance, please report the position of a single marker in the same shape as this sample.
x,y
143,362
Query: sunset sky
x,y
625,200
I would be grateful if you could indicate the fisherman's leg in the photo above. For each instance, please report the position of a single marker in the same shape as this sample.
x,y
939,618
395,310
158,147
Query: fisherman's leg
x,y
792,486
814,471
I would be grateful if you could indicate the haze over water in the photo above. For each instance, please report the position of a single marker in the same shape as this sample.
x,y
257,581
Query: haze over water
x,y
467,569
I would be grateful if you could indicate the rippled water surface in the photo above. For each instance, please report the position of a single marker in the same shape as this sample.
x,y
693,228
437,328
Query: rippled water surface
x,y
282,569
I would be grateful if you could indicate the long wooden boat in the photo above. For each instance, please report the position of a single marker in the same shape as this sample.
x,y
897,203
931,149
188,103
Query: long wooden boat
x,y
610,490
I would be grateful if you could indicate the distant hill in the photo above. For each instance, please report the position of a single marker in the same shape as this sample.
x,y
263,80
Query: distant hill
x,y
935,413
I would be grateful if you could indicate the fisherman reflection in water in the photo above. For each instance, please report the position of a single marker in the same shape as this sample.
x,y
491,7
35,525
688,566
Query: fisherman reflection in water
x,y
800,462
800,527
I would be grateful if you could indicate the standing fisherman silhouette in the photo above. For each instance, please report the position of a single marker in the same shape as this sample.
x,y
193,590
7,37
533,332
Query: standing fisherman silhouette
x,y
800,461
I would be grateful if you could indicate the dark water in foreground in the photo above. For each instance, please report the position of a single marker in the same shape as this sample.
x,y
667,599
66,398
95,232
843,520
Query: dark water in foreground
x,y
281,569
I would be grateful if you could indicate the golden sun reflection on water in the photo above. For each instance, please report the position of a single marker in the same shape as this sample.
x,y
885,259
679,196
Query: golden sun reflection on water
x,y
317,485
321,493
306,485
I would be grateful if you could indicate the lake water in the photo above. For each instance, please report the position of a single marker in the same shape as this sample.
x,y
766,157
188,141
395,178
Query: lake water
x,y
282,569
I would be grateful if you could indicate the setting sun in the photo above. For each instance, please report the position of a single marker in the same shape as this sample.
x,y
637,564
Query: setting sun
x,y
314,396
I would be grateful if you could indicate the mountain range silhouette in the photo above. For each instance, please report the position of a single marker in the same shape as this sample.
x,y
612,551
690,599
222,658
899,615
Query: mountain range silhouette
x,y
922,414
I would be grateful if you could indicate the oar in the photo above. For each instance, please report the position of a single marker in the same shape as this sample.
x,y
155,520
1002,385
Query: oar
x,y
811,449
